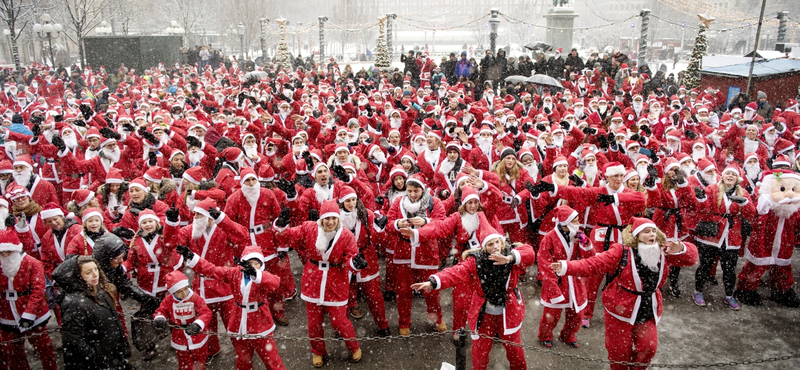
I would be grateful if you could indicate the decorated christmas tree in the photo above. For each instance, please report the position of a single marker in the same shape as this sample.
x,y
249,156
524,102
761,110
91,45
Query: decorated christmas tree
x,y
284,58
382,60
692,78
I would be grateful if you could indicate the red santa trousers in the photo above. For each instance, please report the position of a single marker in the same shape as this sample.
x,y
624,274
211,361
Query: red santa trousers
x,y
283,270
390,284
339,322
372,292
12,355
491,325
592,288
462,298
213,340
631,343
194,359
264,347
406,276
780,277
550,317
445,245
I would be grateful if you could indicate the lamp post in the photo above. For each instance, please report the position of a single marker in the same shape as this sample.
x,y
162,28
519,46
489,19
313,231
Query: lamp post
x,y
48,31
263,24
175,29
240,32
103,29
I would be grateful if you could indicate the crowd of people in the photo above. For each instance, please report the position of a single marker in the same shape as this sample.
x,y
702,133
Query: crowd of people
x,y
193,170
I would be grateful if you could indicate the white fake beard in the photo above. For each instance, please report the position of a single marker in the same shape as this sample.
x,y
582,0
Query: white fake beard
x,y
91,154
702,119
642,171
10,265
558,141
752,170
446,167
638,107
650,254
419,148
250,150
674,147
578,112
112,155
485,144
411,207
573,230
698,153
22,178
547,105
632,155
48,135
379,156
533,170
70,141
112,201
748,114
770,138
784,210
3,215
687,170
395,122
709,179
348,219
470,222
655,113
323,239
602,108
251,193
199,227
196,157
750,146
716,140
322,192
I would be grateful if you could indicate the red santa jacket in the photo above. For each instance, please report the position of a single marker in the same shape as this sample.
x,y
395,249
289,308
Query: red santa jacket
x,y
190,310
36,228
257,218
619,298
53,250
42,192
669,206
366,235
774,237
568,292
98,167
326,275
713,209
419,254
504,193
23,295
152,262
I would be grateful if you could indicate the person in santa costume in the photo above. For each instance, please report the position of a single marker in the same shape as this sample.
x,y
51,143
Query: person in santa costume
x,y
188,314
215,237
110,156
414,259
332,255
42,192
250,323
772,243
497,308
564,242
24,207
150,257
632,298
93,228
23,308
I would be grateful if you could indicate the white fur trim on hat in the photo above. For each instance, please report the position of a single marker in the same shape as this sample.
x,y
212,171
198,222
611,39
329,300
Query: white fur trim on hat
x,y
347,196
247,176
51,213
89,215
150,216
250,256
615,170
629,175
416,181
329,214
563,161
731,169
471,196
85,201
10,247
644,226
570,218
178,286
490,237
134,184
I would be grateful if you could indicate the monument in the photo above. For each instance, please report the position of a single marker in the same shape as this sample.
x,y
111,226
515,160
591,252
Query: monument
x,y
560,20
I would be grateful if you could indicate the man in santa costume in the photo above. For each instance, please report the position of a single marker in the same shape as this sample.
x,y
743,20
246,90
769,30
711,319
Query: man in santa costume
x,y
41,191
213,236
110,156
23,308
773,241
250,322
632,299
332,256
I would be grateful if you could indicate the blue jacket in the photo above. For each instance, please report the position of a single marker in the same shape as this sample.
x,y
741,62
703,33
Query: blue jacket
x,y
462,68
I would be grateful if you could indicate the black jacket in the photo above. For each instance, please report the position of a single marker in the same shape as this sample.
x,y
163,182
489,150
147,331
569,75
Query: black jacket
x,y
108,247
91,329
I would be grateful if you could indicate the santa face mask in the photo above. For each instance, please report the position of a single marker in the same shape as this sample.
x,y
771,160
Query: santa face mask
x,y
650,255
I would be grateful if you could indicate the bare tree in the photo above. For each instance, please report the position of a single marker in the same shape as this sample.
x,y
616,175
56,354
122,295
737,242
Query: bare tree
x,y
12,12
82,16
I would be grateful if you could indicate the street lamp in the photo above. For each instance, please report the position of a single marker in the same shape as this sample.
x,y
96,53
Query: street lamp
x,y
48,31
175,29
240,32
103,29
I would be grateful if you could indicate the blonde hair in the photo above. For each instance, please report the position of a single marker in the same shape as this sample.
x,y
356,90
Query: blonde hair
x,y
720,190
501,171
629,240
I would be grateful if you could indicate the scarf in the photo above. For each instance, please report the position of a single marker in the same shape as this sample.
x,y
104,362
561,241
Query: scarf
x,y
29,210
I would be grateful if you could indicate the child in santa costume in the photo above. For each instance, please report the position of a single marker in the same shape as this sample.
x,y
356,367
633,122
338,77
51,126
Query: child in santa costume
x,y
93,228
23,308
250,324
188,314
564,242
497,307
632,298
332,255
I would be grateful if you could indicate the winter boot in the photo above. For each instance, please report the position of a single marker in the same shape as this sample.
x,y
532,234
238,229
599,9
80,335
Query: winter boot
x,y
748,297
786,298
674,289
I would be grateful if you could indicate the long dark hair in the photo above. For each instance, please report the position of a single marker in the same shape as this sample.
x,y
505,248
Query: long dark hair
x,y
362,213
102,282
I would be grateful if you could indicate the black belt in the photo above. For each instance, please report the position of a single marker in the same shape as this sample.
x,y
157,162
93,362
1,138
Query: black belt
x,y
643,294
251,305
607,239
16,294
676,212
325,263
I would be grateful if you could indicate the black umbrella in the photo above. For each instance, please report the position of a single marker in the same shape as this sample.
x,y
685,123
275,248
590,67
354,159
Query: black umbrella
x,y
539,45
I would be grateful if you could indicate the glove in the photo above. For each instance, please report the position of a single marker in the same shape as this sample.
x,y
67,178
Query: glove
x,y
613,145
369,110
193,141
147,135
37,130
109,122
87,111
313,215
635,137
80,123
152,160
379,126
514,130
109,133
131,128
283,218
391,150
748,188
10,221
307,158
173,214
653,156
193,329
576,180
462,106
547,110
22,222
214,212
778,126
184,251
541,187
160,323
541,127
690,134
680,178
134,211
602,142
282,255
123,232
381,222
646,129
287,187
737,199
248,269
699,192
359,262
58,142
606,199
564,125
379,200
27,323
589,131
340,173
330,107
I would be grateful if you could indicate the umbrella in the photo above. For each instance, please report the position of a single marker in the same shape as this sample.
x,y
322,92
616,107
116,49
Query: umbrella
x,y
539,46
255,74
516,79
544,80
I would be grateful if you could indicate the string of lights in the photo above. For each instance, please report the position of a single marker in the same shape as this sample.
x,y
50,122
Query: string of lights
x,y
514,20
697,28
402,20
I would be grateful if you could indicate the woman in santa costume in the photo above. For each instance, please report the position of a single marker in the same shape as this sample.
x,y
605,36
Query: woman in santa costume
x,y
332,255
22,206
23,308
359,220
564,242
250,324
93,228
188,314
632,299
150,256
510,178
415,260
497,308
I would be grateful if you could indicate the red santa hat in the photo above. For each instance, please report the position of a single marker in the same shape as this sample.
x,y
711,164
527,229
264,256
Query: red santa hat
x,y
732,168
266,173
246,173
148,214
613,169
82,197
629,175
782,160
704,164
232,154
346,193
559,161
630,144
452,145
486,233
751,155
467,193
638,225
138,183
154,174
9,241
565,214
253,252
24,160
752,106
669,163
341,147
317,167
6,167
176,281
89,212
397,170
203,207
418,180
436,134
52,210
329,209
523,152
17,192
194,175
